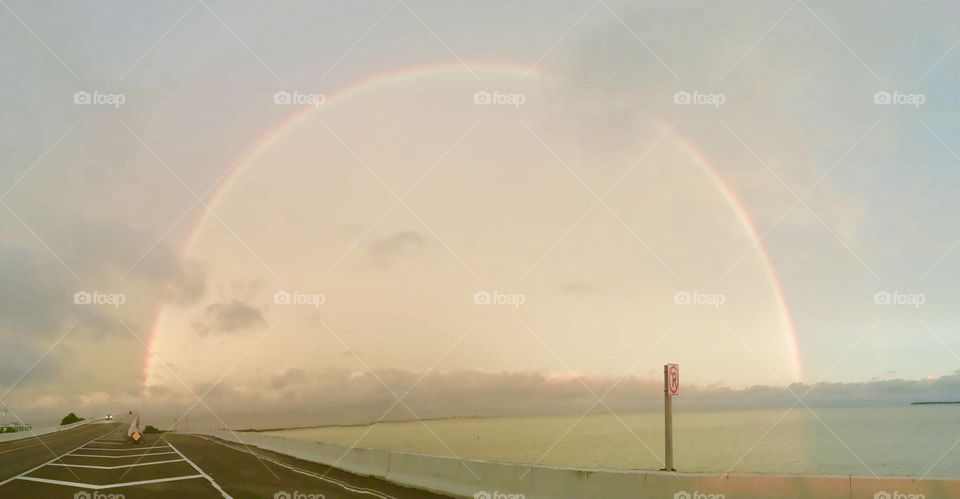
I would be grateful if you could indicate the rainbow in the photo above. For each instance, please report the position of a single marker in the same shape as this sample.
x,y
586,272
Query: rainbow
x,y
746,221
378,80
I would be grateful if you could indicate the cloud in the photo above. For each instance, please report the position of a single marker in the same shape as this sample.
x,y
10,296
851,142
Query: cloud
x,y
37,304
291,376
578,287
39,299
340,396
34,300
385,251
28,364
232,317
110,252
94,399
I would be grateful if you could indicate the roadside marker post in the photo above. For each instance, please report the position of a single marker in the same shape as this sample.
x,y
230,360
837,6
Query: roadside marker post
x,y
134,431
671,388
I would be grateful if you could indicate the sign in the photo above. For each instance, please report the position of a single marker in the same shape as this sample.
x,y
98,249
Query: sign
x,y
136,436
673,379
671,388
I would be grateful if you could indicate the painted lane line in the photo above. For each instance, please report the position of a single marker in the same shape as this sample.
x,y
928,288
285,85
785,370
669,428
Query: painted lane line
x,y
118,457
46,463
131,448
324,478
115,467
209,479
128,450
108,486
109,453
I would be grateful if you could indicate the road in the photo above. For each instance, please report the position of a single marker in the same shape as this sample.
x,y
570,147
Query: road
x,y
96,460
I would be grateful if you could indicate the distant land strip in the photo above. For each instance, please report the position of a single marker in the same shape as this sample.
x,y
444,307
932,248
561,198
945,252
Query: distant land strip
x,y
935,403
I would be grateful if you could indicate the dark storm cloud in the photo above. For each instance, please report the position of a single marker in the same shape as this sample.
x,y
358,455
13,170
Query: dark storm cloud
x,y
26,364
386,250
33,299
233,317
105,253
37,300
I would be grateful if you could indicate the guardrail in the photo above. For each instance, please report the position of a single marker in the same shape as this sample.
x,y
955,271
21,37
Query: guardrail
x,y
474,478
36,432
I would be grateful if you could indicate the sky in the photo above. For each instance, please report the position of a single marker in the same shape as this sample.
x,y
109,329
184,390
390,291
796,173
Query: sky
x,y
392,210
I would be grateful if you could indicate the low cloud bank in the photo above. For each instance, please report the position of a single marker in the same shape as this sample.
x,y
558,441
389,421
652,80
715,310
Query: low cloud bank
x,y
297,397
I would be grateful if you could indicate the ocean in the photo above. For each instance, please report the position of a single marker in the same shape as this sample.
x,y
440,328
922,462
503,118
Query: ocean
x,y
882,441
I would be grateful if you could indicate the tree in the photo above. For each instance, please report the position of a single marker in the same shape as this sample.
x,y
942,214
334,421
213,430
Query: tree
x,y
151,429
70,418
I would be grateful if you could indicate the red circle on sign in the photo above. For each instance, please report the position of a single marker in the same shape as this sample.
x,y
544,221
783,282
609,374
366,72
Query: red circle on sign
x,y
673,379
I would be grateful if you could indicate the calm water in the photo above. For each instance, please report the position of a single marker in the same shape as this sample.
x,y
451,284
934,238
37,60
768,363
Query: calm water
x,y
911,440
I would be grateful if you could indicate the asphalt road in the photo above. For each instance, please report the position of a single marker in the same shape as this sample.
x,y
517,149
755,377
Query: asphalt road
x,y
94,461
21,455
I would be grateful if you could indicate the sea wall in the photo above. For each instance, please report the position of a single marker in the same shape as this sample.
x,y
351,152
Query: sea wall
x,y
491,480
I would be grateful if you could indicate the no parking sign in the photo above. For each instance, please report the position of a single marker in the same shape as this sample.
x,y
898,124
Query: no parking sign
x,y
671,388
673,379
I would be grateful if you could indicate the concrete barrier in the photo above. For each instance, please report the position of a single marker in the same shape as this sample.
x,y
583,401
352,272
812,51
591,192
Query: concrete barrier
x,y
494,480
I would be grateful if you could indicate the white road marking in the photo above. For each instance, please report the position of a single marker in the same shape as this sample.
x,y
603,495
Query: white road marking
x,y
128,450
108,486
117,457
115,467
46,463
351,488
212,482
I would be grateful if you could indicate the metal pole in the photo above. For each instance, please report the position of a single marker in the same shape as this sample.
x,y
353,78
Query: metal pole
x,y
667,422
